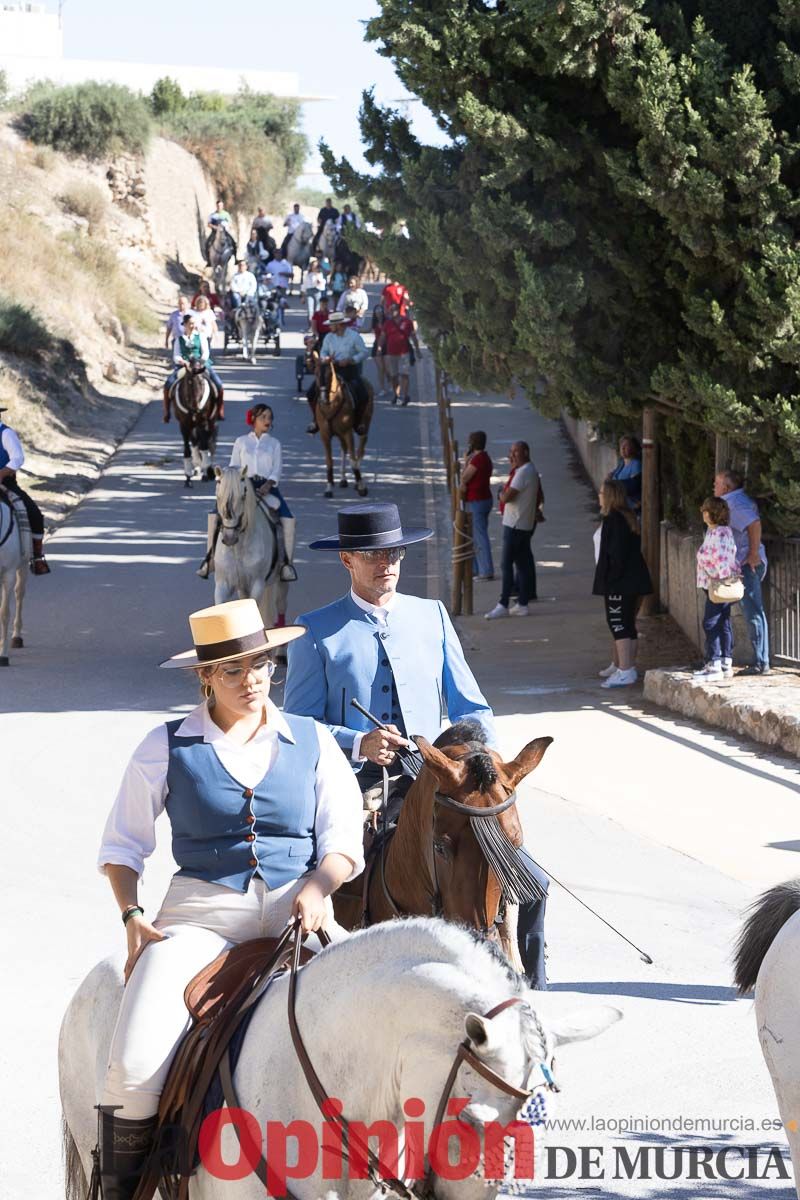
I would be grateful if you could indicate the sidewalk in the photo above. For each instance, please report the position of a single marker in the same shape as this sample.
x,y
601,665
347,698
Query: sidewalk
x,y
728,803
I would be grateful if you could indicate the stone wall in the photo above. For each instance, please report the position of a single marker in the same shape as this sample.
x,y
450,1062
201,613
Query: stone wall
x,y
598,457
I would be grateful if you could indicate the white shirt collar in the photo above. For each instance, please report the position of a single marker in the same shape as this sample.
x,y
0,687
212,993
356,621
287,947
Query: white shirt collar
x,y
199,723
379,611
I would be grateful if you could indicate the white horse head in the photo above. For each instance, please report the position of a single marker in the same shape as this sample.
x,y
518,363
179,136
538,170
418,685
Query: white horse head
x,y
382,1015
236,503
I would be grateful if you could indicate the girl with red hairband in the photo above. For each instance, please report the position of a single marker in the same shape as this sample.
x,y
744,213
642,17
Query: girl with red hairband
x,y
260,452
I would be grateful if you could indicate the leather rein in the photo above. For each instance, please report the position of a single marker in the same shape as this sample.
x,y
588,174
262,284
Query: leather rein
x,y
378,1171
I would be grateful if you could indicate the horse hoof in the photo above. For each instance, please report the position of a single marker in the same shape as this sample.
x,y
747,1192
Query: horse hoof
x,y
343,483
328,493
187,482
4,660
362,490
17,643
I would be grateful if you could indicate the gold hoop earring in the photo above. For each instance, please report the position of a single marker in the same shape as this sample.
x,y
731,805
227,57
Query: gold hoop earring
x,y
208,691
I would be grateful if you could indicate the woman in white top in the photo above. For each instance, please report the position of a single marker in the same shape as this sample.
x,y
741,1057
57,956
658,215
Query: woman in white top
x,y
314,286
266,823
205,319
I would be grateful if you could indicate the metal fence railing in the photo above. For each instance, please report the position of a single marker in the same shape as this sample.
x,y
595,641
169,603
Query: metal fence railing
x,y
461,602
782,599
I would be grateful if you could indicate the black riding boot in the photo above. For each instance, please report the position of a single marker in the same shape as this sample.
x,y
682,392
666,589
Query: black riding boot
x,y
124,1147
205,567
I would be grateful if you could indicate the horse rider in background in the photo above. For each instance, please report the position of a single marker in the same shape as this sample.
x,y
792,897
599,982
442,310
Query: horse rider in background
x,y
345,348
12,456
292,223
192,344
220,216
347,221
262,225
257,253
376,642
328,212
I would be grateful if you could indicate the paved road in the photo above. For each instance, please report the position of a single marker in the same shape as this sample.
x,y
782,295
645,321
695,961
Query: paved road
x,y
86,688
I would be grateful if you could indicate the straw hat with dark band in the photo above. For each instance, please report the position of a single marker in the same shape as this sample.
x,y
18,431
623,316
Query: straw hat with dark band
x,y
230,631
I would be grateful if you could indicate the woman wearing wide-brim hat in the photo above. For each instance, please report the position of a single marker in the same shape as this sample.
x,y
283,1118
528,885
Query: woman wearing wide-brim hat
x,y
266,823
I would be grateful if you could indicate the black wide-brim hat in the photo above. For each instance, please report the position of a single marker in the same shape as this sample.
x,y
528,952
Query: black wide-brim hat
x,y
370,527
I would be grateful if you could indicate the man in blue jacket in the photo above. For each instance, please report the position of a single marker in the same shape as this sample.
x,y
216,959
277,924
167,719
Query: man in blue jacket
x,y
400,657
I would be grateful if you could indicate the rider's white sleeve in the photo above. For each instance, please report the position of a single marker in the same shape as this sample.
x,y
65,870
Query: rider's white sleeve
x,y
339,820
13,448
130,836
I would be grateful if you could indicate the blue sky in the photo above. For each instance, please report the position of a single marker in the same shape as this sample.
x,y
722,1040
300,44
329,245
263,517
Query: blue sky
x,y
321,41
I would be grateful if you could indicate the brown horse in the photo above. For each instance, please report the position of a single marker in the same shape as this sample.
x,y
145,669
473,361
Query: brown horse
x,y
196,405
436,861
334,414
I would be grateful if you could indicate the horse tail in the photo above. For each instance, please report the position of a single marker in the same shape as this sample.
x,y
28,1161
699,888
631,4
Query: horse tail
x,y
75,1184
766,917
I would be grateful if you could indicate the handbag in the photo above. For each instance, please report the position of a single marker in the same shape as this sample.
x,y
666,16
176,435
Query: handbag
x,y
725,591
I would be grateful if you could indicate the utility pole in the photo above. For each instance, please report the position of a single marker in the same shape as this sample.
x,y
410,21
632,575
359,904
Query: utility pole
x,y
651,514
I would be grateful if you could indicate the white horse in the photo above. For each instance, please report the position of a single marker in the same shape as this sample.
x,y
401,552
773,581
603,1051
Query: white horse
x,y
298,250
382,1015
250,323
14,558
246,558
768,959
326,243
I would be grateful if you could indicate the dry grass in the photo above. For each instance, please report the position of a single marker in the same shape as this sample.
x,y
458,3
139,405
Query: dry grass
x,y
87,201
44,158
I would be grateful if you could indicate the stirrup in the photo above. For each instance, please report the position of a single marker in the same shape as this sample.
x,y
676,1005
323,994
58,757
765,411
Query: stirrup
x,y
288,573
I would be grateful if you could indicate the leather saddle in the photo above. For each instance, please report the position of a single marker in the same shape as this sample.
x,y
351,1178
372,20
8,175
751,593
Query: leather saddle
x,y
220,998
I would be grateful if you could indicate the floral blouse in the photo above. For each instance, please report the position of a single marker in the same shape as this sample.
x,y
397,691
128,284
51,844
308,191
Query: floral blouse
x,y
716,558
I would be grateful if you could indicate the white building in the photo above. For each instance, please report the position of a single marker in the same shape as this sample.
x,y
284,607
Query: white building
x,y
32,49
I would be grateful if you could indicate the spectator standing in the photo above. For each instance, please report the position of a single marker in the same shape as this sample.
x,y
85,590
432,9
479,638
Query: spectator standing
x,y
319,321
629,470
396,293
338,284
378,319
313,287
476,492
745,522
204,289
205,319
355,295
521,500
716,563
397,336
173,326
621,578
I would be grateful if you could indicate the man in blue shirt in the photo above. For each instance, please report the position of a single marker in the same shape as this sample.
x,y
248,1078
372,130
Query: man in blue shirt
x,y
745,524
400,657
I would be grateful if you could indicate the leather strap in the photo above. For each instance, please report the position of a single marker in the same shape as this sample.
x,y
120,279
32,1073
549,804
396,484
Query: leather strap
x,y
471,810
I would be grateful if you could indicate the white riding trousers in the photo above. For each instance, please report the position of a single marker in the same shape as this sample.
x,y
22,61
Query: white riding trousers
x,y
200,920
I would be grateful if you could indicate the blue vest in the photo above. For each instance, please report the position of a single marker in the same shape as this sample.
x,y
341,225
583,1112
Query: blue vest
x,y
5,457
225,833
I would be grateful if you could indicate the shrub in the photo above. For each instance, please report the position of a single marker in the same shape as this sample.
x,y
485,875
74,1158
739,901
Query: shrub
x,y
166,97
87,201
21,331
44,158
90,119
114,283
5,90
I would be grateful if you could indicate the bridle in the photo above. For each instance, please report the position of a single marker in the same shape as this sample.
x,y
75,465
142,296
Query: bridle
x,y
230,526
447,802
352,1143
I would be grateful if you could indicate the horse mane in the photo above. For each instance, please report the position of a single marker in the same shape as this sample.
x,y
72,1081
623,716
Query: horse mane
x,y
227,488
471,733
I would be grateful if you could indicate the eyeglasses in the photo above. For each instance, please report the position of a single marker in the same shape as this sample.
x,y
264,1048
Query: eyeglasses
x,y
234,675
393,555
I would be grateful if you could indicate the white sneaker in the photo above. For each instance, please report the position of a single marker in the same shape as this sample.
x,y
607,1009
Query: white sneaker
x,y
608,671
499,610
621,678
519,610
712,670
727,668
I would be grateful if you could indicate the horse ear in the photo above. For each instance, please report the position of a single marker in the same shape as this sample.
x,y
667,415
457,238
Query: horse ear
x,y
244,471
218,472
439,763
527,760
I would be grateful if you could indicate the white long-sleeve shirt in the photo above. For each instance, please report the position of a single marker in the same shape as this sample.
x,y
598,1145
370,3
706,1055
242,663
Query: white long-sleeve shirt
x,y
13,448
294,221
261,455
357,297
129,836
244,283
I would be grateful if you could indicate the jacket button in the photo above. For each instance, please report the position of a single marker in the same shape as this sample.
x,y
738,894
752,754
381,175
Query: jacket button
x,y
248,793
384,635
384,662
385,688
253,862
250,837
250,818
384,716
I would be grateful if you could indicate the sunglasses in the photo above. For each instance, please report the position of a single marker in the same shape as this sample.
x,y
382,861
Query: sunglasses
x,y
393,555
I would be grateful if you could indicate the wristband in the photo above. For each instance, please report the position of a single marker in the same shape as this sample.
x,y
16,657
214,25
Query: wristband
x,y
130,912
